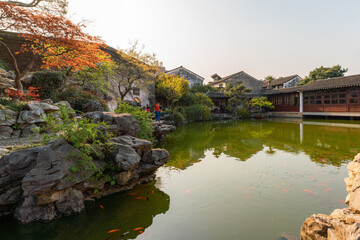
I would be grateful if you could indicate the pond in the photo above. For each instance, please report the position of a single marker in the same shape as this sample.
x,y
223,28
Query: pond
x,y
224,180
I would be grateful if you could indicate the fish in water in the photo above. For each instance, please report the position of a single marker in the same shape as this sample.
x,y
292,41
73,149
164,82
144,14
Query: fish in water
x,y
328,189
309,191
139,228
139,198
114,230
101,206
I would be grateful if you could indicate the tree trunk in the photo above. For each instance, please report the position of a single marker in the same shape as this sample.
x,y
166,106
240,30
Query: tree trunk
x,y
19,85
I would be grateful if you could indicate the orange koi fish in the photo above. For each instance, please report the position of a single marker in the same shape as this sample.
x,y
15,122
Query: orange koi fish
x,y
102,207
284,190
139,228
309,191
139,198
328,189
141,232
251,189
114,230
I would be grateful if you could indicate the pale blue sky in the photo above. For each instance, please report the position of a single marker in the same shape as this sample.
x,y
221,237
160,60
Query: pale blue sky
x,y
260,37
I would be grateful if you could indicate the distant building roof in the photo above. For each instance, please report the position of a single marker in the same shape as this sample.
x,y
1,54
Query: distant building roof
x,y
279,81
330,83
186,70
227,77
282,80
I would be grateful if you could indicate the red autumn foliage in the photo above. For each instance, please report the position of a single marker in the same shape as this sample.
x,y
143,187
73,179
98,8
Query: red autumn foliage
x,y
60,43
32,94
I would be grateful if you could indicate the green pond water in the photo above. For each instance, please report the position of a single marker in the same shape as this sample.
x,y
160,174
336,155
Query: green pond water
x,y
224,180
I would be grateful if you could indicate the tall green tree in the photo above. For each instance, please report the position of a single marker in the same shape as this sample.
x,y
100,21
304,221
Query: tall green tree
x,y
323,73
237,94
135,69
171,87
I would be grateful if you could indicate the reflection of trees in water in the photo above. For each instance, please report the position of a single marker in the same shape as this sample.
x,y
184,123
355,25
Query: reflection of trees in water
x,y
122,211
323,144
188,144
242,139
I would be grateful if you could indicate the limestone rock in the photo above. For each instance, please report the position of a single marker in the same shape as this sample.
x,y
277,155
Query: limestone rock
x,y
30,130
52,168
5,132
140,145
29,211
93,106
7,117
70,203
127,158
33,116
162,130
119,124
341,223
63,103
15,165
41,105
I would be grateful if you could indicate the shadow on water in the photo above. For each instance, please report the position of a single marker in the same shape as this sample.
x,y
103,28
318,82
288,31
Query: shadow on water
x,y
123,212
324,143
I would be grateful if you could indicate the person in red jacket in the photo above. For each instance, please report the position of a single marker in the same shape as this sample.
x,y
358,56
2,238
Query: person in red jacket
x,y
157,112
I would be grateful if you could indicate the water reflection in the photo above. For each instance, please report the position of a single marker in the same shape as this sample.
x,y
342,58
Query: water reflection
x,y
324,142
122,211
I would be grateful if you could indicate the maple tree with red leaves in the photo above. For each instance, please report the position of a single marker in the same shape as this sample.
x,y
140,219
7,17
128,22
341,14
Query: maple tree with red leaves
x,y
60,43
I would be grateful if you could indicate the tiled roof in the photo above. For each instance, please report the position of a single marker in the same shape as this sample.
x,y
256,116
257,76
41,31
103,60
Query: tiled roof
x,y
338,82
186,70
282,80
227,77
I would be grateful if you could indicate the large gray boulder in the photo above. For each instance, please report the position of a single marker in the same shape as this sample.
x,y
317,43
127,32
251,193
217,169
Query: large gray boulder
x,y
93,106
30,211
52,169
71,202
41,105
8,117
33,116
119,124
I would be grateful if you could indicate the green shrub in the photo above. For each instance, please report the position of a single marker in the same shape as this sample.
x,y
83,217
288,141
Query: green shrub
x,y
243,112
178,118
144,119
11,105
198,113
167,111
179,109
49,83
77,97
203,99
187,99
82,134
195,88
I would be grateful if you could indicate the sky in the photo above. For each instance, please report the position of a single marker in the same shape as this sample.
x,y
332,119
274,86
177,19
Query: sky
x,y
260,37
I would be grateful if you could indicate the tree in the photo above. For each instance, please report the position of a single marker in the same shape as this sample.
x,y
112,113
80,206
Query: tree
x,y
323,73
58,42
136,69
261,102
203,99
56,7
237,94
96,79
197,87
269,79
171,87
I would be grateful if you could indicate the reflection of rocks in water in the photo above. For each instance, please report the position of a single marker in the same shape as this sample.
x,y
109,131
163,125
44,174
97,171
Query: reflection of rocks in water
x,y
124,211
